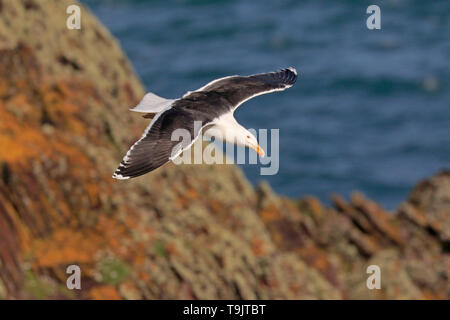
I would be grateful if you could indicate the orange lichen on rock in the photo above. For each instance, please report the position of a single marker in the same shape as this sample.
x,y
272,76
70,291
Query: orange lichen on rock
x,y
64,247
105,292
269,214
258,246
18,143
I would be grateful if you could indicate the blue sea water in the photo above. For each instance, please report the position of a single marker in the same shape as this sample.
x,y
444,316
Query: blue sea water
x,y
370,110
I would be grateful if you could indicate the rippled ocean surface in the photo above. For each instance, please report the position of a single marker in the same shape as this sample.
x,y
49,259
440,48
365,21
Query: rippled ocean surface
x,y
370,110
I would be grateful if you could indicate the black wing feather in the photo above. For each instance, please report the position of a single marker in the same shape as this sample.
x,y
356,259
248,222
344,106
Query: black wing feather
x,y
238,89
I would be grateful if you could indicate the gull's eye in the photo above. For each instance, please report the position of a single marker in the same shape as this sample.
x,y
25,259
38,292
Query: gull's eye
x,y
248,137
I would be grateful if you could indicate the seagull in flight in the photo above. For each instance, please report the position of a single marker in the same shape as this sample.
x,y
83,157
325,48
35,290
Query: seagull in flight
x,y
212,105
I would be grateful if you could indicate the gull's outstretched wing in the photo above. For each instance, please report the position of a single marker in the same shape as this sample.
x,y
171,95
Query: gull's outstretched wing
x,y
158,145
238,89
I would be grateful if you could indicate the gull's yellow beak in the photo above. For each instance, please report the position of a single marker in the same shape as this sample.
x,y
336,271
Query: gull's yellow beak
x,y
259,150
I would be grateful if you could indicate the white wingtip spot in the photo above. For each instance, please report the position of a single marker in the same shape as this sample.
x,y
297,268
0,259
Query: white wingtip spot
x,y
293,70
119,177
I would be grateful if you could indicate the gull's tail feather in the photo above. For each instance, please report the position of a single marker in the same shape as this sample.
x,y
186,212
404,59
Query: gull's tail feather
x,y
151,103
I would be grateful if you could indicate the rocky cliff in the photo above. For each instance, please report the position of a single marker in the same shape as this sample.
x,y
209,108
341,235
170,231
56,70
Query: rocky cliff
x,y
182,232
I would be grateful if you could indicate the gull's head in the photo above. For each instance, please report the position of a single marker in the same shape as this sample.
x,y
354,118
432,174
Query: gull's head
x,y
250,141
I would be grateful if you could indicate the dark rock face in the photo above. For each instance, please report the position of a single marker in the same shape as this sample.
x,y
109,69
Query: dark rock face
x,y
433,196
182,232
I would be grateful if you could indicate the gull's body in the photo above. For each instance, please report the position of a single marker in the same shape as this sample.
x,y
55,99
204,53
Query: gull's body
x,y
212,105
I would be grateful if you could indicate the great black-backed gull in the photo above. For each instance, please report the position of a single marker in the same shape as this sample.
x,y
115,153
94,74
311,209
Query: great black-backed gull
x,y
212,105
